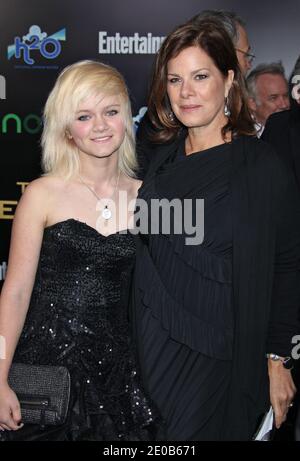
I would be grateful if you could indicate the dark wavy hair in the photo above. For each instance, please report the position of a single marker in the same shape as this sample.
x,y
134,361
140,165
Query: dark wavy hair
x,y
210,36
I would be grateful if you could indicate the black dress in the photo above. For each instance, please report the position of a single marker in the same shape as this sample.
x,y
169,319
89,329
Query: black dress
x,y
183,299
78,318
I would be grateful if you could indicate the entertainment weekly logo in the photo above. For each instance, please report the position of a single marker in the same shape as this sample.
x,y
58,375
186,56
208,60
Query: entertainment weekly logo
x,y
133,44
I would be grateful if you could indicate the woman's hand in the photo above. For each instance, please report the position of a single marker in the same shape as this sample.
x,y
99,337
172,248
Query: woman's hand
x,y
10,412
282,390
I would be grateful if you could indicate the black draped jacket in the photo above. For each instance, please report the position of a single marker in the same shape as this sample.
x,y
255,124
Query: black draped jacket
x,y
266,250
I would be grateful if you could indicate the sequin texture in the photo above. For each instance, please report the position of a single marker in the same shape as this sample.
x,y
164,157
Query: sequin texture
x,y
78,317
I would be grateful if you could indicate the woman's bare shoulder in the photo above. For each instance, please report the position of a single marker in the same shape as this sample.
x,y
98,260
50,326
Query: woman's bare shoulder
x,y
47,183
40,192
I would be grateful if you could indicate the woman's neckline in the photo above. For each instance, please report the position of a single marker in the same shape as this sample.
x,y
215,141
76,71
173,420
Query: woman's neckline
x,y
77,221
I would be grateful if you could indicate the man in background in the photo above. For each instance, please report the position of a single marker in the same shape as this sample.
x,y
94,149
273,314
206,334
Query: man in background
x,y
236,29
268,93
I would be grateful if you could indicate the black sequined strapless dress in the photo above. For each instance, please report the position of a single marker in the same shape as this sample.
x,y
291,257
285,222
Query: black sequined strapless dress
x,y
78,318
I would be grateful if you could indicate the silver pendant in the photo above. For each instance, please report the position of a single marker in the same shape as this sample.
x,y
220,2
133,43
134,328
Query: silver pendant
x,y
106,213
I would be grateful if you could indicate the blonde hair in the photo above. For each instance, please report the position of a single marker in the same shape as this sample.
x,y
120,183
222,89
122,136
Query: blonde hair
x,y
74,84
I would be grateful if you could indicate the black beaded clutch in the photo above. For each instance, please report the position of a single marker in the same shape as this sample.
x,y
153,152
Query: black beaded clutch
x,y
43,393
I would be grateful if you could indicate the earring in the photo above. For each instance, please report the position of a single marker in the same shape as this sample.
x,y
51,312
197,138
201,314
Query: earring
x,y
226,108
171,116
69,136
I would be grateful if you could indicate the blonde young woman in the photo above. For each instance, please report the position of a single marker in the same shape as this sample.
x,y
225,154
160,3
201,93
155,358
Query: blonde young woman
x,y
64,301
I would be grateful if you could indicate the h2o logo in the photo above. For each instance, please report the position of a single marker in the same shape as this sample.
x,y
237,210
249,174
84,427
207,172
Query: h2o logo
x,y
49,47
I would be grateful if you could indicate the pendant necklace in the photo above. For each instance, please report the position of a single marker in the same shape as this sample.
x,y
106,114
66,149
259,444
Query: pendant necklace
x,y
106,212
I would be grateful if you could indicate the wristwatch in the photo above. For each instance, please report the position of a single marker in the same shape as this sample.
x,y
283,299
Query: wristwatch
x,y
287,362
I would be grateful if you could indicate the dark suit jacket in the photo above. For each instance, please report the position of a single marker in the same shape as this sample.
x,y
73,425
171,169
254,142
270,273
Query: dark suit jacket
x,y
283,132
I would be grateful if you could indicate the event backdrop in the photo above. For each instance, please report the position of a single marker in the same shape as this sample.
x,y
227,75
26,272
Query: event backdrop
x,y
39,38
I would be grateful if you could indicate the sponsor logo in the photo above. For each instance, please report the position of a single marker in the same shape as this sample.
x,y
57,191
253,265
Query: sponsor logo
x,y
34,43
12,123
137,119
134,44
2,87
7,207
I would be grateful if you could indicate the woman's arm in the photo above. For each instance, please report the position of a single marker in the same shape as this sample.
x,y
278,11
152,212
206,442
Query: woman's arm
x,y
26,238
284,321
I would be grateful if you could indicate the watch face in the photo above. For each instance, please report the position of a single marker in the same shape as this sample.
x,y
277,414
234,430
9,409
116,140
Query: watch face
x,y
288,363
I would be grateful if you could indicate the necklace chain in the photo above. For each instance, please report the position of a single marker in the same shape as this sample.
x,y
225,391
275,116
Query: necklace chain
x,y
106,213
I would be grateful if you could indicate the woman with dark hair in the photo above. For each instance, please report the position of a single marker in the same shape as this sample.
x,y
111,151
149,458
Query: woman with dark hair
x,y
214,320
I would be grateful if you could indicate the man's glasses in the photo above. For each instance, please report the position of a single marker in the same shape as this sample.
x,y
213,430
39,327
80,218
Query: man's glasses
x,y
250,57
